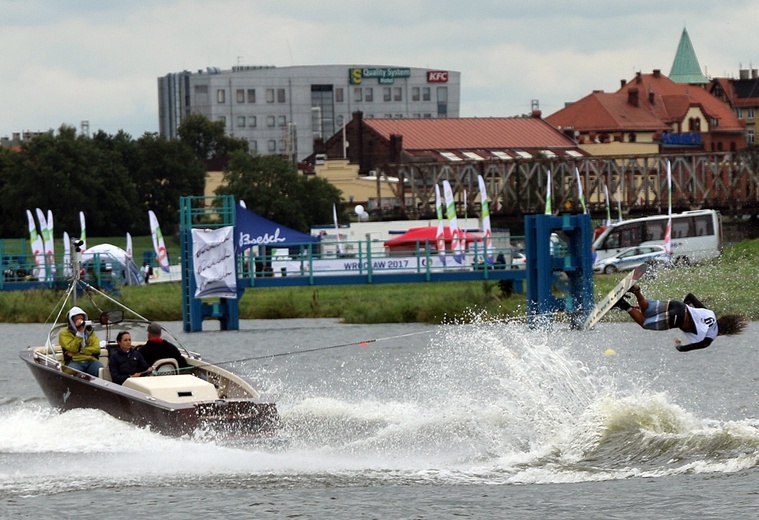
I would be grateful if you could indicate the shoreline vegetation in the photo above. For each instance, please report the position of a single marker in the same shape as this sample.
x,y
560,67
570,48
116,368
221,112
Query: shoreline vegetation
x,y
726,285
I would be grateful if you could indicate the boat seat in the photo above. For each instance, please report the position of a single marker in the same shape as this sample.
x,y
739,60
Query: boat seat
x,y
104,373
166,367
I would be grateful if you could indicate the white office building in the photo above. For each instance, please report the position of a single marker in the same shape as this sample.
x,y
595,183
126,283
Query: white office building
x,y
282,110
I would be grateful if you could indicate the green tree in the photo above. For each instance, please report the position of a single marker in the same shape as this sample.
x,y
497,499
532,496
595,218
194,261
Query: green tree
x,y
165,171
208,139
272,188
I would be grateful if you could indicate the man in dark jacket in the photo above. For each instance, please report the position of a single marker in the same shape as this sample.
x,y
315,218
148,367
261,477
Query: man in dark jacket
x,y
126,362
156,348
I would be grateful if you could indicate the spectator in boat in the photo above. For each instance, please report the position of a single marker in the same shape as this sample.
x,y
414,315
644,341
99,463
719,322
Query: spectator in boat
x,y
126,362
699,324
156,348
80,344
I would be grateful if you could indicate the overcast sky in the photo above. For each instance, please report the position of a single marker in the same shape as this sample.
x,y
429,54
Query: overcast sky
x,y
64,62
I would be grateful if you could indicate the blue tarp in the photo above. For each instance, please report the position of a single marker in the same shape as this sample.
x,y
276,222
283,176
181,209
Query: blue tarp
x,y
255,230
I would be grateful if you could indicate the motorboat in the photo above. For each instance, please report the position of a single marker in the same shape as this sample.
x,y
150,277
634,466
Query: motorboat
x,y
203,397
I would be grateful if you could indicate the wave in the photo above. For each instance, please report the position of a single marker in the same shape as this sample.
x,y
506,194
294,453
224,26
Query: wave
x,y
490,402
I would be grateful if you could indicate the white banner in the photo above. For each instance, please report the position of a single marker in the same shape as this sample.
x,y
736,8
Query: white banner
x,y
158,244
213,254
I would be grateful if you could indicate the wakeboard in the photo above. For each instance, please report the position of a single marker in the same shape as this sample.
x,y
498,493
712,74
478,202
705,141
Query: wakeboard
x,y
608,301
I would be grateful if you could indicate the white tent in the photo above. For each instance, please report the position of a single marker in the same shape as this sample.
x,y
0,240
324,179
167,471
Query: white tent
x,y
120,263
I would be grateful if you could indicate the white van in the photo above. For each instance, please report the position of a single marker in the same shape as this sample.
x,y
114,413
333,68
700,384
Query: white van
x,y
696,236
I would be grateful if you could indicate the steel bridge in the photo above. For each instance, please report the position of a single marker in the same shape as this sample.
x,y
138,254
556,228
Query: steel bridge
x,y
637,184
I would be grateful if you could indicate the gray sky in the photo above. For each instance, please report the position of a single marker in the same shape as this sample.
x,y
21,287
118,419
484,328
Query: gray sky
x,y
68,61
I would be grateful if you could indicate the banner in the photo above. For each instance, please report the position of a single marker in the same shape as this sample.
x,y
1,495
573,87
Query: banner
x,y
213,254
668,231
47,240
158,244
67,269
453,224
608,207
129,245
440,235
83,236
579,190
38,247
486,220
337,230
549,209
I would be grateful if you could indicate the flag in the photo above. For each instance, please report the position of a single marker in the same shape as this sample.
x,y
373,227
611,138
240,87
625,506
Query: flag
x,y
337,230
440,235
46,243
158,245
83,236
129,245
67,269
38,246
486,220
453,224
51,236
608,207
668,231
549,211
579,190
619,204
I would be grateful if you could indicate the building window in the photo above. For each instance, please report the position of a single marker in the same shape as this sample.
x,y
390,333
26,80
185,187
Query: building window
x,y
253,145
739,113
750,136
222,119
417,116
270,120
280,95
270,95
241,95
282,121
339,96
271,145
415,95
368,94
633,137
251,95
426,95
221,96
340,121
251,120
715,123
398,94
281,145
750,113
386,95
241,121
357,94
442,101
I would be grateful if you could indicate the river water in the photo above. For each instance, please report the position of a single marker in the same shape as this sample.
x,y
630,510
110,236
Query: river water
x,y
488,420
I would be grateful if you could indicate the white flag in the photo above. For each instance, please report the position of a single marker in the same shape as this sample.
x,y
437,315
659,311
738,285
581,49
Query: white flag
x,y
440,234
158,244
549,210
453,224
579,190
337,230
486,220
46,243
668,231
38,246
83,235
67,269
129,245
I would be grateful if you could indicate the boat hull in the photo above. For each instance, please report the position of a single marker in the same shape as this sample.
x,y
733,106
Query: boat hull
x,y
222,417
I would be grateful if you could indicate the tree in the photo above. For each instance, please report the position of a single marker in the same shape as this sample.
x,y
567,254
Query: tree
x,y
208,139
272,188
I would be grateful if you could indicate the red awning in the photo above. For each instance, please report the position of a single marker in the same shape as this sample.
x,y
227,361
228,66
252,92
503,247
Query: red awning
x,y
422,234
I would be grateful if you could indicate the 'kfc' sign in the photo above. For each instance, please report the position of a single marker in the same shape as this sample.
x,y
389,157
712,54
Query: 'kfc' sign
x,y
437,76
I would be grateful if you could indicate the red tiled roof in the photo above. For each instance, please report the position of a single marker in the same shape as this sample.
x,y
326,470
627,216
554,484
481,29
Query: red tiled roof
x,y
604,112
472,133
671,102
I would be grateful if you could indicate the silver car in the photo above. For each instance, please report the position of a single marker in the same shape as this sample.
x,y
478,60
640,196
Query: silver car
x,y
630,258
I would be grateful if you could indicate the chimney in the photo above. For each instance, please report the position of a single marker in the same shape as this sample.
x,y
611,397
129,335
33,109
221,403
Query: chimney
x,y
622,83
632,97
657,73
638,77
651,98
754,73
536,114
743,74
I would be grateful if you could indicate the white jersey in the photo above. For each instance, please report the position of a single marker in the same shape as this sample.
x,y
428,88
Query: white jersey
x,y
705,322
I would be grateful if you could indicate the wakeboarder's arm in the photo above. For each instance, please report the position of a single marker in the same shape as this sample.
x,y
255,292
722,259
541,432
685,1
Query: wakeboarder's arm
x,y
693,346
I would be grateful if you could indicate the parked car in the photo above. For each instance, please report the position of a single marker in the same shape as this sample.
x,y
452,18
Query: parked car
x,y
518,261
630,258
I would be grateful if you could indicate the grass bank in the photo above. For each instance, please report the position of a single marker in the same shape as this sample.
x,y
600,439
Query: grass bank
x,y
727,285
